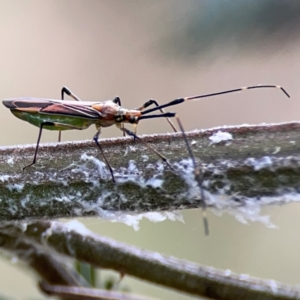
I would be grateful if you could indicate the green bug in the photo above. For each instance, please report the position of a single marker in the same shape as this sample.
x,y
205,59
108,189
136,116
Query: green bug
x,y
69,115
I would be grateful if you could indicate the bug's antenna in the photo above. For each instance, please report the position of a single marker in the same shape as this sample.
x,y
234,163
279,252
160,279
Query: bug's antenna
x,y
180,100
164,115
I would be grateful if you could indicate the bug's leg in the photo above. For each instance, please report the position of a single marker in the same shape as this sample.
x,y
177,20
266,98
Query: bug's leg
x,y
128,132
134,129
54,124
38,142
117,100
64,91
59,136
95,138
151,102
70,127
198,173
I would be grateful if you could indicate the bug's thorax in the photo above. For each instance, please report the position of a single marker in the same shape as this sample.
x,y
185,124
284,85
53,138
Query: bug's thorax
x,y
112,113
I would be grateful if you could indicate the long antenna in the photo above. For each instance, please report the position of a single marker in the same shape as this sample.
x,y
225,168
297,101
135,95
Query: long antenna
x,y
180,100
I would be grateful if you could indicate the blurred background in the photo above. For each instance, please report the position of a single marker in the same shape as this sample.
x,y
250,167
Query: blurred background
x,y
163,50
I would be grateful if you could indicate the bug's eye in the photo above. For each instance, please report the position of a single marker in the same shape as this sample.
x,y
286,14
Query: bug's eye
x,y
132,119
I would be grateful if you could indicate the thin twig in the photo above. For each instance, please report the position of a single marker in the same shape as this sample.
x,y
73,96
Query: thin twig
x,y
81,293
170,272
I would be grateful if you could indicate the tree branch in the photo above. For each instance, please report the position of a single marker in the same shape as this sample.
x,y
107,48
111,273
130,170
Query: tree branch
x,y
170,272
70,179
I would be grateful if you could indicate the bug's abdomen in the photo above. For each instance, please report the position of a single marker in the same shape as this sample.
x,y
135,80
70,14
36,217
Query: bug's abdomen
x,y
67,122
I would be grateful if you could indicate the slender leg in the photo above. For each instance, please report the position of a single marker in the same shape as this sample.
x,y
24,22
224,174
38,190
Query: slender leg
x,y
127,131
151,102
198,173
40,134
96,137
38,142
64,91
59,136
117,100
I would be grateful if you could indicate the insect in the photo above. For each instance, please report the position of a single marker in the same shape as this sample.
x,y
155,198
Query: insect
x,y
67,115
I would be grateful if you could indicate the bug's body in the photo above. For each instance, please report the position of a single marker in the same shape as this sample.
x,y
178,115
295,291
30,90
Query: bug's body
x,y
66,115
70,114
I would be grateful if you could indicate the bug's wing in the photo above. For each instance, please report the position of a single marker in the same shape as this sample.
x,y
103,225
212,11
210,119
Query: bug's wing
x,y
50,106
26,104
82,111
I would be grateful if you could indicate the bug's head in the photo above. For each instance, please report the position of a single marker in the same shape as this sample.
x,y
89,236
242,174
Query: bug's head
x,y
132,116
